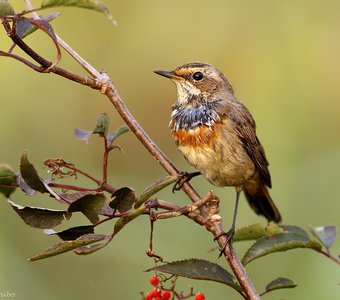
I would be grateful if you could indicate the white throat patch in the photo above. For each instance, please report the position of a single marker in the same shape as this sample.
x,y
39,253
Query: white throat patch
x,y
185,90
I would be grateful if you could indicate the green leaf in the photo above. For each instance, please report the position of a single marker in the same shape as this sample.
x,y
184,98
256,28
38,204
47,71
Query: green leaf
x,y
7,177
30,175
122,221
279,283
90,205
123,199
83,135
66,246
24,27
198,269
115,134
72,233
256,231
155,188
6,8
41,218
89,4
102,124
89,249
325,234
295,229
277,243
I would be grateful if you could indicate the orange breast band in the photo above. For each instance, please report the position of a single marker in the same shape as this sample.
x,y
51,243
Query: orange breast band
x,y
199,136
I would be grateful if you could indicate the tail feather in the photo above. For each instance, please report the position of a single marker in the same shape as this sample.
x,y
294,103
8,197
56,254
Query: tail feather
x,y
258,197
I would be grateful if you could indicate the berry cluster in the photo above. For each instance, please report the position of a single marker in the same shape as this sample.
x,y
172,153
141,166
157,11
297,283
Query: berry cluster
x,y
158,294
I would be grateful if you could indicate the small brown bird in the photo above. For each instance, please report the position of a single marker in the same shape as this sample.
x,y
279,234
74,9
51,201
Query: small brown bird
x,y
216,134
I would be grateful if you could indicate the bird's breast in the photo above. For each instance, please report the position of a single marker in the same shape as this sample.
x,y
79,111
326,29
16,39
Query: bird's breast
x,y
216,152
199,136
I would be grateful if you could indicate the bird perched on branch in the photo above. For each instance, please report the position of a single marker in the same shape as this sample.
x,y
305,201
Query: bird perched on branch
x,y
216,134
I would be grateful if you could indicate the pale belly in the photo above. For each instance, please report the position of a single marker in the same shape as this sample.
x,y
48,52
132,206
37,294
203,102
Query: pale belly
x,y
222,165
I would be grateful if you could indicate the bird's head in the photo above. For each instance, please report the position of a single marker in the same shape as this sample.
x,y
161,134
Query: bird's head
x,y
198,82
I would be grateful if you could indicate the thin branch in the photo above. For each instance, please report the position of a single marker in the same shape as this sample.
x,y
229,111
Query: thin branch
x,y
24,61
71,187
186,209
46,66
89,68
328,255
32,9
105,160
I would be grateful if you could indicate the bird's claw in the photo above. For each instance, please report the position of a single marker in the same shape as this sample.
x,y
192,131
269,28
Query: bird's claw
x,y
183,178
230,236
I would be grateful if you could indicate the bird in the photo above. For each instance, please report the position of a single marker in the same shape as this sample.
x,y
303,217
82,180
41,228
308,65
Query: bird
x,y
216,134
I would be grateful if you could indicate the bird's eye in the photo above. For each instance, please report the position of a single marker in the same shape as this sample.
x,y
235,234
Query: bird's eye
x,y
197,76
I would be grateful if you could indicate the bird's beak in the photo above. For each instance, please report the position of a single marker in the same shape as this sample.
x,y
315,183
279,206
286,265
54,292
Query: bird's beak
x,y
167,74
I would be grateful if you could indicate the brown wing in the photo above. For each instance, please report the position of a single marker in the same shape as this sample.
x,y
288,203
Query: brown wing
x,y
246,130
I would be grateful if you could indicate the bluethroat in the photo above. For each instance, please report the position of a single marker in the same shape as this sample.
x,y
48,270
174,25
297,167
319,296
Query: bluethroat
x,y
217,135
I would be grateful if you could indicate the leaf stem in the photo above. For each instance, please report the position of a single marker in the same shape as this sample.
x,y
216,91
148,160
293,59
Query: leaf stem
x,y
328,255
105,160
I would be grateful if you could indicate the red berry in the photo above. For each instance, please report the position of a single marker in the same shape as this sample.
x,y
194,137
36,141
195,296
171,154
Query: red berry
x,y
154,280
158,298
199,296
149,295
157,292
166,295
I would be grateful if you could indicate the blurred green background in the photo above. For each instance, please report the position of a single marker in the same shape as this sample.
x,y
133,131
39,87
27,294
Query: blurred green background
x,y
282,57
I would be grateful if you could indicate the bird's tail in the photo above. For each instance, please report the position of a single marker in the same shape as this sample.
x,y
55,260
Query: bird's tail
x,y
258,197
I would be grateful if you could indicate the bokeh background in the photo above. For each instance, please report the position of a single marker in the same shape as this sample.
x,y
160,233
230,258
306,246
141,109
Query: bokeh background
x,y
282,57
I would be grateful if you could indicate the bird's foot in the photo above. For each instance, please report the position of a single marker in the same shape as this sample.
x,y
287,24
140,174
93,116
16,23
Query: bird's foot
x,y
230,236
183,178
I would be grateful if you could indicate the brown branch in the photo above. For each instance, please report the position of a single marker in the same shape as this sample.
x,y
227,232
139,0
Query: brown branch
x,y
333,258
186,209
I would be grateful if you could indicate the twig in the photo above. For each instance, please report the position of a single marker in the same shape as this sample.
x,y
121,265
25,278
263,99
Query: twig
x,y
186,209
328,255
32,9
105,160
89,68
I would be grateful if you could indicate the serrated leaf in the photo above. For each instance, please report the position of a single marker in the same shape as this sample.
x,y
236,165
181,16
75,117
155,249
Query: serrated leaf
x,y
279,283
30,175
256,231
102,124
123,199
24,186
41,218
155,188
6,8
7,177
66,246
90,205
72,233
88,4
83,135
198,269
24,27
325,234
115,134
277,243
